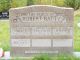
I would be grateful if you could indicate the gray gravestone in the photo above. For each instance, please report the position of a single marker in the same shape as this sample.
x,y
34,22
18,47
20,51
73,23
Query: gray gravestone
x,y
41,29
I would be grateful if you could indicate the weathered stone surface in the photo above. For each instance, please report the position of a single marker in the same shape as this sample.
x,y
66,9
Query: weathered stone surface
x,y
41,29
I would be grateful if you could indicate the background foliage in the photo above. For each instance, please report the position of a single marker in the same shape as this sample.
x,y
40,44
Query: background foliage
x,y
72,3
5,5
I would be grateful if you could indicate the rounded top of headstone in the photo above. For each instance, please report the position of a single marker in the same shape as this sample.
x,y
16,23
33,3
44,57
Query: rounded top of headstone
x,y
31,6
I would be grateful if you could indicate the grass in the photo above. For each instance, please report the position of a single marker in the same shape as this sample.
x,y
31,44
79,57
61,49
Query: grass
x,y
47,57
56,57
76,34
4,35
